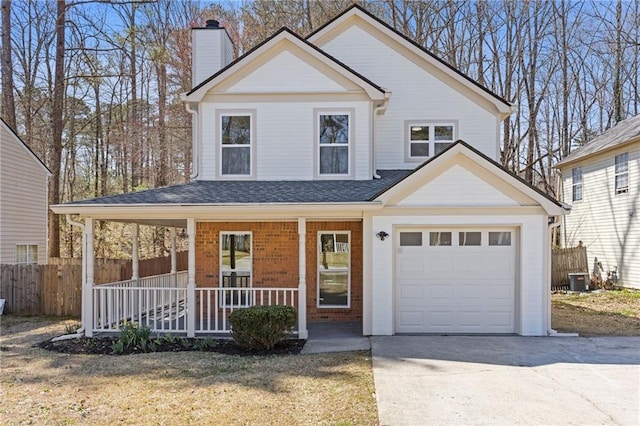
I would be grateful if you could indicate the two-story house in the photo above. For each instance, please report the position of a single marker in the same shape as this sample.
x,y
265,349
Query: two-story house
x,y
351,174
600,182
23,201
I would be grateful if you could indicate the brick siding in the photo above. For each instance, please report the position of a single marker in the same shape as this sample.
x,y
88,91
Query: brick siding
x,y
275,260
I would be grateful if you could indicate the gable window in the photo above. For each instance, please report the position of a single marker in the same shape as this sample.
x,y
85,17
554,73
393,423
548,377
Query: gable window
x,y
425,139
622,173
236,144
334,144
576,187
27,253
235,267
334,269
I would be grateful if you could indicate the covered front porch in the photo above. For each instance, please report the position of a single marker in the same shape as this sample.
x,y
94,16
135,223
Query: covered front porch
x,y
174,303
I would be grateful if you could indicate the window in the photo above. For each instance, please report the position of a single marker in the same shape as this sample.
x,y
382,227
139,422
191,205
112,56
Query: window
x,y
410,239
576,175
235,145
622,173
439,238
428,139
235,267
27,253
499,238
333,144
469,238
334,267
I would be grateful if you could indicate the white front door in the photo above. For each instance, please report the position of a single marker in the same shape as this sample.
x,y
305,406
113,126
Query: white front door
x,y
458,280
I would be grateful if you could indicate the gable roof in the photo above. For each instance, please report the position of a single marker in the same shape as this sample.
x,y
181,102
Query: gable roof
x,y
371,88
413,179
26,147
626,131
504,106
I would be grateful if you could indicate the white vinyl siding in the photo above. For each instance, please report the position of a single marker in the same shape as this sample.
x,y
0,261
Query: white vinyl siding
x,y
458,186
607,223
416,95
284,73
284,142
23,199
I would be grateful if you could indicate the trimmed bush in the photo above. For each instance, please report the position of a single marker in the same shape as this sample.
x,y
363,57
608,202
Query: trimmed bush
x,y
262,327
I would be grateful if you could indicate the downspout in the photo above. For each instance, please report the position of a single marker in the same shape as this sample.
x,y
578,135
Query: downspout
x,y
194,139
551,227
80,331
377,110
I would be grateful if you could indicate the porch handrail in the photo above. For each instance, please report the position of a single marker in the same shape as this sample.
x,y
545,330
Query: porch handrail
x,y
170,280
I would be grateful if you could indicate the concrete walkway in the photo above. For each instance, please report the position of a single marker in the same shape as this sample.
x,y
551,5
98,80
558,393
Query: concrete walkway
x,y
509,380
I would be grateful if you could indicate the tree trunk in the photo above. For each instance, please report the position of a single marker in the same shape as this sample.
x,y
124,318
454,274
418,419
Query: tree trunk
x,y
8,102
57,127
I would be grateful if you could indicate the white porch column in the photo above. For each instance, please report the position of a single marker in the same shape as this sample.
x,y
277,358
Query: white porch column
x,y
191,279
303,333
134,251
173,250
87,284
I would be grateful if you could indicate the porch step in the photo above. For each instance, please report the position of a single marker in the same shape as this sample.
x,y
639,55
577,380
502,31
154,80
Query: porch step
x,y
345,344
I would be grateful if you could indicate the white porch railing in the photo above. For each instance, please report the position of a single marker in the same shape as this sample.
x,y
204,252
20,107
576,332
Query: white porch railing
x,y
160,302
214,305
156,302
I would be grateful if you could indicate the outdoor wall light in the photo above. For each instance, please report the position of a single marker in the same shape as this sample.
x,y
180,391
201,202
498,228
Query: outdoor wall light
x,y
382,235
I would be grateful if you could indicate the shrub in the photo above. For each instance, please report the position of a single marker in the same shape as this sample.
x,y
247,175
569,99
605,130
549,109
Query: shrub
x,y
262,327
133,337
72,328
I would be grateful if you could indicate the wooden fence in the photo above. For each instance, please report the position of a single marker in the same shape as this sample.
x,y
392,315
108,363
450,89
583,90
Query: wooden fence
x,y
566,261
56,289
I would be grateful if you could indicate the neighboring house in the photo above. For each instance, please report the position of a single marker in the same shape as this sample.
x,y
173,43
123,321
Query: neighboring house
x,y
601,181
331,174
23,201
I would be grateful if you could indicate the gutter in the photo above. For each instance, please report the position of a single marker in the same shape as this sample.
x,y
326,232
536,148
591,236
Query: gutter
x,y
194,139
377,110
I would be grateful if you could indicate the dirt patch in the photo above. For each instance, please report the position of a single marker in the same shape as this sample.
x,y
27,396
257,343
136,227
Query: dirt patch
x,y
600,313
38,386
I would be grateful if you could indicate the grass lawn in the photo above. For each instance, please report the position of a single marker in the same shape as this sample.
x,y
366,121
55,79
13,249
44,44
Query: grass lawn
x,y
42,387
606,313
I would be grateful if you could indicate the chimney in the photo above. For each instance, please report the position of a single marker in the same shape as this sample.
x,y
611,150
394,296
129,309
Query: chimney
x,y
211,50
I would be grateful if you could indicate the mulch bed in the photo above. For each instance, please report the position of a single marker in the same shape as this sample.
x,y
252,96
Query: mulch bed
x,y
103,346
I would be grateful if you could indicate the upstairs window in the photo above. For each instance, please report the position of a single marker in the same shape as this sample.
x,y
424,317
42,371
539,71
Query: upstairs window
x,y
334,144
236,145
622,173
576,187
428,139
26,253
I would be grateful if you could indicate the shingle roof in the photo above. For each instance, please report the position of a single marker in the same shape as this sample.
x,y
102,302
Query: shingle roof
x,y
622,132
245,192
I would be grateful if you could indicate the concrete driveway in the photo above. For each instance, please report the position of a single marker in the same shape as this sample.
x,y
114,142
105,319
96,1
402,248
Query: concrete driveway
x,y
491,380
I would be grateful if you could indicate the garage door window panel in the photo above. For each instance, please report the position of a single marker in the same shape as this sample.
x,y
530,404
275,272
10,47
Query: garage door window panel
x,y
410,239
440,238
334,269
499,238
469,238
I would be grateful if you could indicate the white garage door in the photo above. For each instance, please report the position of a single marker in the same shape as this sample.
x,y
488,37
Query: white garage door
x,y
455,280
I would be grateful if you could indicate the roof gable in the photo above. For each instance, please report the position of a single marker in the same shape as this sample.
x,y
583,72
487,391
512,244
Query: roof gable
x,y
460,186
356,15
24,146
269,55
623,133
468,176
